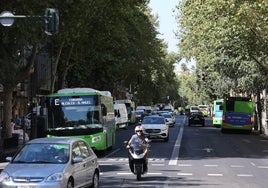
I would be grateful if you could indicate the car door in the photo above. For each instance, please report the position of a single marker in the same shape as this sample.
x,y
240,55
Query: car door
x,y
89,161
78,168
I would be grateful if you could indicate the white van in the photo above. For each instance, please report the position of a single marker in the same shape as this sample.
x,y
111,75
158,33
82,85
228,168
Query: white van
x,y
121,117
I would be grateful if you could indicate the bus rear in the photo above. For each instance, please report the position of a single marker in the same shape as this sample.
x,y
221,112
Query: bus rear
x,y
238,114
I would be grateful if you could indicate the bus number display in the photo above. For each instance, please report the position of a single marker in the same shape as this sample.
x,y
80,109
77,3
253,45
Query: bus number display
x,y
72,101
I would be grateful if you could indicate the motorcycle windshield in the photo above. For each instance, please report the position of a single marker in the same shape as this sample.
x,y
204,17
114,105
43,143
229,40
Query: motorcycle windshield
x,y
138,146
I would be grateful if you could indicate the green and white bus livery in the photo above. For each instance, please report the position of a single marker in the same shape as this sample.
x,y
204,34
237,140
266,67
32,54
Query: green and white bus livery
x,y
238,114
217,113
84,113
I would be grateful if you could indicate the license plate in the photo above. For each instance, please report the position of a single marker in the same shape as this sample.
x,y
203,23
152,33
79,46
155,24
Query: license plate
x,y
196,118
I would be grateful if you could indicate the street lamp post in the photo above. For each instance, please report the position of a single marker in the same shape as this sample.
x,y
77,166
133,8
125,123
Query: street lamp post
x,y
51,20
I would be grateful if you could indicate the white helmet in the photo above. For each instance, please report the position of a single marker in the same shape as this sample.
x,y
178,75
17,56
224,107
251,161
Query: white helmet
x,y
138,128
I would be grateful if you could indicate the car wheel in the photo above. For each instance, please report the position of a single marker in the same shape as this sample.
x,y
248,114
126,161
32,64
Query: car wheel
x,y
95,181
70,184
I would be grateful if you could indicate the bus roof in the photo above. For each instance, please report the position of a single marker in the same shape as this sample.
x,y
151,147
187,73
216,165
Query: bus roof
x,y
80,91
122,101
239,98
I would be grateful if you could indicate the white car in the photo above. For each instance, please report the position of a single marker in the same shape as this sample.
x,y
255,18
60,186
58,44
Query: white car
x,y
155,127
169,118
194,109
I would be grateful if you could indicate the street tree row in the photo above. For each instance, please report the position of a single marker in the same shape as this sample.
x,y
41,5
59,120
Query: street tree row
x,y
103,44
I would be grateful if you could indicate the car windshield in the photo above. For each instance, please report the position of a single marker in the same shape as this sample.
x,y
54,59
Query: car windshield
x,y
153,120
166,115
43,153
196,114
139,112
194,108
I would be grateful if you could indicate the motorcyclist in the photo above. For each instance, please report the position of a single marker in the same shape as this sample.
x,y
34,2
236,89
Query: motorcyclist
x,y
138,137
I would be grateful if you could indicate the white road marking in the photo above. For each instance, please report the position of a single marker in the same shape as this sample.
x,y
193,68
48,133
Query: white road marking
x,y
262,166
244,175
185,174
176,149
210,165
237,166
158,164
207,149
124,173
185,165
154,173
215,174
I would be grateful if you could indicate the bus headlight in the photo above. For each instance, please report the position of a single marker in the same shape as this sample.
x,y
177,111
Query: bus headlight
x,y
96,139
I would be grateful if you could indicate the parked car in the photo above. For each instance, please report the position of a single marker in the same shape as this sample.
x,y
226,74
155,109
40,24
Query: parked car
x,y
155,127
52,162
196,118
169,118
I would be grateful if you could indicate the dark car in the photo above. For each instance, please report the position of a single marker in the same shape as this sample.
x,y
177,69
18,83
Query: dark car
x,y
196,118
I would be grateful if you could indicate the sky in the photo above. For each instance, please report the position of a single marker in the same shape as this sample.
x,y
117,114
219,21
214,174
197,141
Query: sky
x,y
167,22
166,11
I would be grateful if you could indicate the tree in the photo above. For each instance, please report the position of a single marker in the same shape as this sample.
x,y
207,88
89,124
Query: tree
x,y
19,45
226,36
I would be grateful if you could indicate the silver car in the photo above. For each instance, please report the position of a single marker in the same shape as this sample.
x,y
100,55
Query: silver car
x,y
52,163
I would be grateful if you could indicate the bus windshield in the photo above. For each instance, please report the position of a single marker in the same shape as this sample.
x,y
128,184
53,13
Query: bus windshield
x,y
68,112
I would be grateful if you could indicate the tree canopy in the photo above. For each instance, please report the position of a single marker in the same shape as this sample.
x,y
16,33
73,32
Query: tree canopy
x,y
228,41
103,44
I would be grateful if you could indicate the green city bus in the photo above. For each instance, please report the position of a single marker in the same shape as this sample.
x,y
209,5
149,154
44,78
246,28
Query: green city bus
x,y
238,114
217,113
84,113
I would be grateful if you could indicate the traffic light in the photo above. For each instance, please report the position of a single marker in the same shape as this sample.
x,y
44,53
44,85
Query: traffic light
x,y
51,21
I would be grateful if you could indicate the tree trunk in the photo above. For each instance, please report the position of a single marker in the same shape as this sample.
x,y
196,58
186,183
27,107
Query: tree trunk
x,y
7,129
66,68
55,68
259,112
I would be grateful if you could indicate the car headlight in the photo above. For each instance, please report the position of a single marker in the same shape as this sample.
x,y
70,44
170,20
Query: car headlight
x,y
165,129
96,139
4,176
55,177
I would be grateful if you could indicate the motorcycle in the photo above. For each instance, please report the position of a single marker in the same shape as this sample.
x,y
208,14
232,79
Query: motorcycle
x,y
137,157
